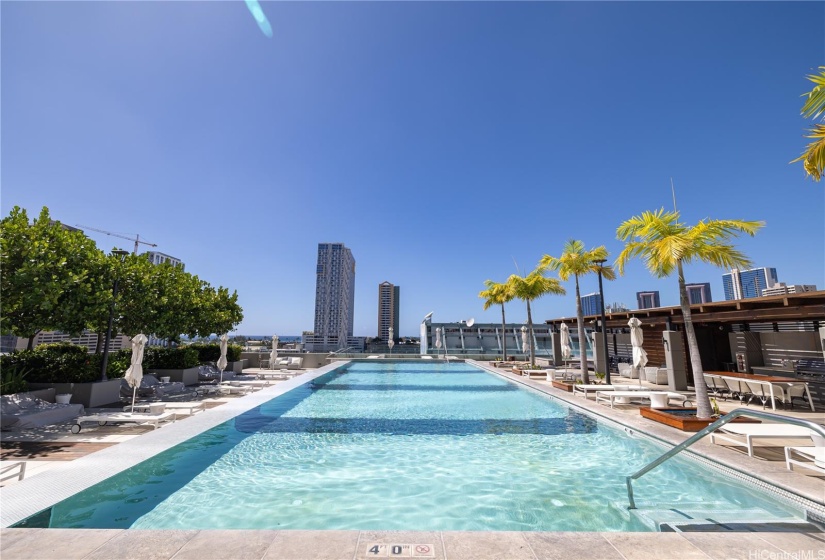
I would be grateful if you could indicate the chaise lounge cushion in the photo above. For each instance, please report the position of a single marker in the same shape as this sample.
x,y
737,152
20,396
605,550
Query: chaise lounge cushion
x,y
22,410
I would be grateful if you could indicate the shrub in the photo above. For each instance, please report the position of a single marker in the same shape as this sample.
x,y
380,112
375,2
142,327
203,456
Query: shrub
x,y
13,380
212,352
170,358
207,352
65,363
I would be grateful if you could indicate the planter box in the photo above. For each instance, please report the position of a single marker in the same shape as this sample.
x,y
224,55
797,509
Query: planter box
x,y
186,376
90,395
563,386
237,367
682,418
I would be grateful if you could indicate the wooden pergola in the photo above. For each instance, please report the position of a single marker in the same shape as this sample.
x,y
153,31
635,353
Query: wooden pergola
x,y
808,306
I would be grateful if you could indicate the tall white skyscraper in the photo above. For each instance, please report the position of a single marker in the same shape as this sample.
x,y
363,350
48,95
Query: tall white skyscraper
x,y
334,295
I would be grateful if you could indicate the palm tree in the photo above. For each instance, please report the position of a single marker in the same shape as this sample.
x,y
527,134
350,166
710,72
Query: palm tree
x,y
575,261
497,294
813,158
528,288
665,245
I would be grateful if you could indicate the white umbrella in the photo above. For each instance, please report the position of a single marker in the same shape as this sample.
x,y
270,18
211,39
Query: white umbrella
x,y
566,346
134,375
390,341
222,360
273,355
438,340
525,343
636,339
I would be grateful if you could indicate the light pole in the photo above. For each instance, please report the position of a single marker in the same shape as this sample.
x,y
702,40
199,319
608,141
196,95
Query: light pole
x,y
604,322
120,254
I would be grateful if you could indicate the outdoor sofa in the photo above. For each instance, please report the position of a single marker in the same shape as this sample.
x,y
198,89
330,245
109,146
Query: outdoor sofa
x,y
20,411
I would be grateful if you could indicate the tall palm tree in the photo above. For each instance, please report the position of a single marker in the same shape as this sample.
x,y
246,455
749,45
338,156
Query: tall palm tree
x,y
497,294
576,261
528,288
813,158
665,245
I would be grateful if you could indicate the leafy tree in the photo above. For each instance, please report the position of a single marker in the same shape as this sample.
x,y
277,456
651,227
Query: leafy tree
x,y
665,245
575,261
813,158
138,304
218,311
497,294
47,271
531,287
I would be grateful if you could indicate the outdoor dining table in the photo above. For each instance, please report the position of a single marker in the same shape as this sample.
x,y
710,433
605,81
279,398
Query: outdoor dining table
x,y
770,380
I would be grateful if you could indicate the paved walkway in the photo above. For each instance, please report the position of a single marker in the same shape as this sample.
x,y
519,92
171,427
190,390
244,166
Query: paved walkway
x,y
98,544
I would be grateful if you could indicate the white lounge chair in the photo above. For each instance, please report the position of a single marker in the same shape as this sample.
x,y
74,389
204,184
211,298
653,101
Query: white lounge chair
x,y
744,434
140,418
658,399
809,457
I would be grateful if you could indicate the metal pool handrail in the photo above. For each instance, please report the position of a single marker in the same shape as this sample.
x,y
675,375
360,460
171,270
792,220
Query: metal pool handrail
x,y
702,433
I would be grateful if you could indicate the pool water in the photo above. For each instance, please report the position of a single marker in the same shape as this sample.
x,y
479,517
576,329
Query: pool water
x,y
405,445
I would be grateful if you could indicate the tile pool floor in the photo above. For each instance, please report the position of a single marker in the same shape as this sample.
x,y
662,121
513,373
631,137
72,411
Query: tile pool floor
x,y
34,494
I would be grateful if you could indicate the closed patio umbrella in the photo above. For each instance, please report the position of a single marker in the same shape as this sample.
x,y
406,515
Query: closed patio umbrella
x,y
566,346
134,375
636,339
437,340
273,355
222,360
525,340
390,341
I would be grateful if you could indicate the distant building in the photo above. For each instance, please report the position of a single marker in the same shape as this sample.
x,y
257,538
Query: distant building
x,y
334,298
616,307
592,304
781,289
742,284
156,257
388,305
698,293
87,339
648,300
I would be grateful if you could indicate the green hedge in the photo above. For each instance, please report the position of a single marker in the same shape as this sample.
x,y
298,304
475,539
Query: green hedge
x,y
170,358
65,363
211,352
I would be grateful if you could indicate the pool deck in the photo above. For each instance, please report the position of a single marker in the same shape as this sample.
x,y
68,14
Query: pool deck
x,y
52,485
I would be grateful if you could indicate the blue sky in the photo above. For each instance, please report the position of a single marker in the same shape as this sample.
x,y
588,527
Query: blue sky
x,y
441,141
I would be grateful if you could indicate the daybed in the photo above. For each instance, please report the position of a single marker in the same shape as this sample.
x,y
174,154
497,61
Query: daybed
x,y
25,410
151,387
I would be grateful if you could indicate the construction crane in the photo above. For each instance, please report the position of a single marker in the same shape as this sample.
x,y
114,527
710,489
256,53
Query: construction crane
x,y
136,239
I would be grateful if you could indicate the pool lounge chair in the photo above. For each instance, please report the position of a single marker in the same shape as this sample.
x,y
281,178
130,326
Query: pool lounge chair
x,y
20,411
744,434
809,457
140,418
658,399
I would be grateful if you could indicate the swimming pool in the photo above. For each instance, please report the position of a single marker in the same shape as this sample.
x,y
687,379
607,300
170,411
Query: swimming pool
x,y
405,445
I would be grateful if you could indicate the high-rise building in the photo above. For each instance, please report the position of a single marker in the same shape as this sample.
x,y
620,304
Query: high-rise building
x,y
698,293
648,300
592,304
780,289
615,307
388,304
741,284
334,295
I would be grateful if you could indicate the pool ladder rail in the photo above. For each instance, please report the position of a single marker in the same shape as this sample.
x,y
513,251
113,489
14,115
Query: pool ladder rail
x,y
736,413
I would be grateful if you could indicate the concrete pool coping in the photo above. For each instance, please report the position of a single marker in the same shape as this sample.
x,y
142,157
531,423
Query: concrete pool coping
x,y
30,496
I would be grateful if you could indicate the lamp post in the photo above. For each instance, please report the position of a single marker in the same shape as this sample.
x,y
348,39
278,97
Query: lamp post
x,y
120,254
604,322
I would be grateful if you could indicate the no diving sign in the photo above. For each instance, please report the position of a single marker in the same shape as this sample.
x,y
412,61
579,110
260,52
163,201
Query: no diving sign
x,y
378,550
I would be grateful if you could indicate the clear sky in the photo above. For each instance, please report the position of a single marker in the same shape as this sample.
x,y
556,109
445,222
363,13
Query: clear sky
x,y
441,141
